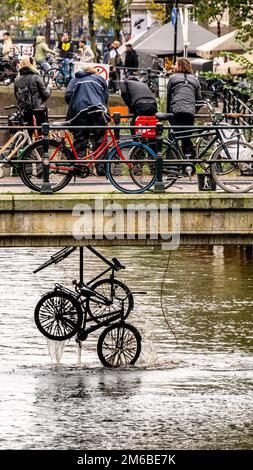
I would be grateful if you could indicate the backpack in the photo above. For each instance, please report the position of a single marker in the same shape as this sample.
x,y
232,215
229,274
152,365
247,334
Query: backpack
x,y
25,98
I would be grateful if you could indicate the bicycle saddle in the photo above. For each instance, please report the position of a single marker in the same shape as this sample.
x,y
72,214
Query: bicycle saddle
x,y
86,292
164,116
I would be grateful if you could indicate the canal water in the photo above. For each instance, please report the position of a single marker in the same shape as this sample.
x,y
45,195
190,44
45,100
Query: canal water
x,y
192,387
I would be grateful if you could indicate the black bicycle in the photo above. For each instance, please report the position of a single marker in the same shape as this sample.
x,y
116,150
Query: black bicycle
x,y
63,313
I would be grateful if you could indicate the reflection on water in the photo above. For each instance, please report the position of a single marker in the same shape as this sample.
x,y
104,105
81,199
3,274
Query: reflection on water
x,y
193,392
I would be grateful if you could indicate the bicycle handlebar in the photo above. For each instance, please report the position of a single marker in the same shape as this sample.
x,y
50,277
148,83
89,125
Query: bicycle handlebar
x,y
117,264
59,256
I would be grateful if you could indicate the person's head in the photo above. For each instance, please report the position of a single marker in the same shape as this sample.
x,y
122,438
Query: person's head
x,y
183,65
89,68
28,62
6,36
40,39
116,44
82,43
129,46
65,37
133,77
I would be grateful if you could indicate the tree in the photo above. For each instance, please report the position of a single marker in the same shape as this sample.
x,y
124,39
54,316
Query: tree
x,y
211,10
91,26
118,15
8,9
242,17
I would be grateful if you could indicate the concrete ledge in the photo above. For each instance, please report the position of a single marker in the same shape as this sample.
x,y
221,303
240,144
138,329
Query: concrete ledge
x,y
36,220
66,202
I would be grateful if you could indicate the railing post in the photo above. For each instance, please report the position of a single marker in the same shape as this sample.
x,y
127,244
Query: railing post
x,y
116,118
159,184
46,185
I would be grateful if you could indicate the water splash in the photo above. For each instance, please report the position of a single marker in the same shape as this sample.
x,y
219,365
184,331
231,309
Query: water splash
x,y
56,349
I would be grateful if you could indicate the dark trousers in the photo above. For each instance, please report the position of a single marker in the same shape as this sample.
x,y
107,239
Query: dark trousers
x,y
184,119
40,116
83,136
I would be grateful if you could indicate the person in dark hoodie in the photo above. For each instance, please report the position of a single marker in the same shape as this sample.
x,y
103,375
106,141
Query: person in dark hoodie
x,y
87,97
138,98
183,90
31,93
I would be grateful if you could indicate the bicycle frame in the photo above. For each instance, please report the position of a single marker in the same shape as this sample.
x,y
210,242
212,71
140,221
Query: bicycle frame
x,y
24,138
99,299
93,155
217,137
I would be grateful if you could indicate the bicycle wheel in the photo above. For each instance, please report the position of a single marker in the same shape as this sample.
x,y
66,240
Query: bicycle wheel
x,y
32,173
131,178
59,79
119,345
201,144
115,293
58,316
233,175
49,76
170,170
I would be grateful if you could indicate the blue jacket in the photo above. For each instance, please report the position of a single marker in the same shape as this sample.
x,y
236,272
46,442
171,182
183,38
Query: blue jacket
x,y
86,89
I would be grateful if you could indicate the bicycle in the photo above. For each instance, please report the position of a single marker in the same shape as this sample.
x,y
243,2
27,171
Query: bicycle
x,y
229,174
206,135
11,150
57,75
63,313
121,176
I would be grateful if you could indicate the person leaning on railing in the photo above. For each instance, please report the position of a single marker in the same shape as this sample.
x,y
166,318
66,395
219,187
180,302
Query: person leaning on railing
x,y
87,90
183,90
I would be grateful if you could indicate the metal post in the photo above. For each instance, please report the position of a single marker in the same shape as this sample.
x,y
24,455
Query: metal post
x,y
116,118
175,36
46,185
81,265
159,184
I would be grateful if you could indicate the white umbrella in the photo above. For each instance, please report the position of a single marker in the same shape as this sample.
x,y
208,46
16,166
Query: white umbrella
x,y
228,42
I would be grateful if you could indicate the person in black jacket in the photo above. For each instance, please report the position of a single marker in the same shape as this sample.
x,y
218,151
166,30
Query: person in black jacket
x,y
84,91
183,91
131,59
66,48
31,93
138,98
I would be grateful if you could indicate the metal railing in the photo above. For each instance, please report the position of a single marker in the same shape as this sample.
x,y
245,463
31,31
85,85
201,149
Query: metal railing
x,y
159,163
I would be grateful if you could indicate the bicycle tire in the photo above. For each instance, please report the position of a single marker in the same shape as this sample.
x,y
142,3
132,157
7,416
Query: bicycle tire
x,y
168,179
102,286
49,76
125,172
119,345
60,80
237,176
58,316
203,140
34,179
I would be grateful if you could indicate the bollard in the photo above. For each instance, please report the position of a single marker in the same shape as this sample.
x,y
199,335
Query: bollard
x,y
159,184
46,185
116,118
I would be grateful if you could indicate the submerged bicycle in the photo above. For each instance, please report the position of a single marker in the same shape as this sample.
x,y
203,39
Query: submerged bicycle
x,y
63,313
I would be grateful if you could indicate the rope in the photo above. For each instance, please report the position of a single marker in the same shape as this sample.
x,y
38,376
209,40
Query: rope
x,y
161,298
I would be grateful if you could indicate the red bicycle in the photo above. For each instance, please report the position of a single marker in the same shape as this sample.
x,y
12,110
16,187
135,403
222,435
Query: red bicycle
x,y
133,178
